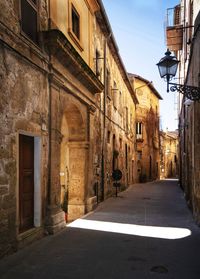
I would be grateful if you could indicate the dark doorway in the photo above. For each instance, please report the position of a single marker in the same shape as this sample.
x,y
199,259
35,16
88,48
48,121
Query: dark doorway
x,y
26,182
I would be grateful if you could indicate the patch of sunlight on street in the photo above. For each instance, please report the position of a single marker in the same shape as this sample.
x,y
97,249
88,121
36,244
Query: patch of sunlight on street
x,y
137,230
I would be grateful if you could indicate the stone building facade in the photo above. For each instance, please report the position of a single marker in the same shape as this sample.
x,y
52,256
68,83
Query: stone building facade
x,y
73,87
67,112
189,73
147,129
168,154
24,121
116,111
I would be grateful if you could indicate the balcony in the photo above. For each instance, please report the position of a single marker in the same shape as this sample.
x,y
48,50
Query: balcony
x,y
174,29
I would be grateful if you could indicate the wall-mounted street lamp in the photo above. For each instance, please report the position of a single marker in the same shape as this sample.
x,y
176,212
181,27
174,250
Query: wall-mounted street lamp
x,y
167,67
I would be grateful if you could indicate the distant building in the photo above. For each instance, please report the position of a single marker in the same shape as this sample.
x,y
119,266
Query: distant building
x,y
147,129
168,154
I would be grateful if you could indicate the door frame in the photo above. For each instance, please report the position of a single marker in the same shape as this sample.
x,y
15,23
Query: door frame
x,y
37,221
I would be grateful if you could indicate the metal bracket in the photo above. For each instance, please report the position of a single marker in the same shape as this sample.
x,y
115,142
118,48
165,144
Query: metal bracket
x,y
190,92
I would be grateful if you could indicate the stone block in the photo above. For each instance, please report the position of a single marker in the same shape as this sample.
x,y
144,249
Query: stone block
x,y
75,211
55,222
91,204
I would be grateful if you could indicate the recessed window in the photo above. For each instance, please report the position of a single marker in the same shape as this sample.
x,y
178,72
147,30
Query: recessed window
x,y
75,22
115,92
108,137
138,128
108,91
126,120
97,61
29,14
120,143
139,155
120,102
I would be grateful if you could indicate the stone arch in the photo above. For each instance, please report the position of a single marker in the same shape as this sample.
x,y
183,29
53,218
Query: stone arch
x,y
76,127
73,156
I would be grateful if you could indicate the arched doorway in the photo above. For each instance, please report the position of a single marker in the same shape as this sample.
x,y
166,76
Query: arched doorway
x,y
73,156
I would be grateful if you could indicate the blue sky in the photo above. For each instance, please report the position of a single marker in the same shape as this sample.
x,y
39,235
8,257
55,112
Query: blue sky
x,y
138,27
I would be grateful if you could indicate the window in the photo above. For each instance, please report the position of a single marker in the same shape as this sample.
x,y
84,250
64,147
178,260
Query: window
x,y
115,94
120,143
120,102
75,23
139,155
97,64
126,156
131,121
107,83
108,137
29,17
139,130
126,119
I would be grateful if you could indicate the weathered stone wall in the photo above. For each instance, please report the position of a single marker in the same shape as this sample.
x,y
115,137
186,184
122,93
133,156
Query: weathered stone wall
x,y
170,155
147,113
23,109
192,131
119,130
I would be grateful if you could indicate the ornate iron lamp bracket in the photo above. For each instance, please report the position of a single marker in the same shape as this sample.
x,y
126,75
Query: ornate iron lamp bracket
x,y
190,92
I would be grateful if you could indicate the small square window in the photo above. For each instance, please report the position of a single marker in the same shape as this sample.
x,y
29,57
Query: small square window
x,y
75,23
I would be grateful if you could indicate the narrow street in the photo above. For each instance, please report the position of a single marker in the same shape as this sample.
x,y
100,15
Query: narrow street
x,y
146,232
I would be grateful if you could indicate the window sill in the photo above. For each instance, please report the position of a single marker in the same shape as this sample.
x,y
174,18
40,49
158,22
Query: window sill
x,y
27,38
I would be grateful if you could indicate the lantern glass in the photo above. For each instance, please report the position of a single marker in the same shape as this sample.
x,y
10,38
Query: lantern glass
x,y
167,66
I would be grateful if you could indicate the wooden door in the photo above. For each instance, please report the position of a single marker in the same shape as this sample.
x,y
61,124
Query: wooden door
x,y
26,182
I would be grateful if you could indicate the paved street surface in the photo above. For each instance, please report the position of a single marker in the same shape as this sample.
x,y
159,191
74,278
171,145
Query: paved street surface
x,y
146,232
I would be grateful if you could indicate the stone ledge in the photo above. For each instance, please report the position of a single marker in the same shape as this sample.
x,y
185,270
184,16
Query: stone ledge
x,y
29,236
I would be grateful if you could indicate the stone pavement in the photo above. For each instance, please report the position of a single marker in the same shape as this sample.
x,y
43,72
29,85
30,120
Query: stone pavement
x,y
146,232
